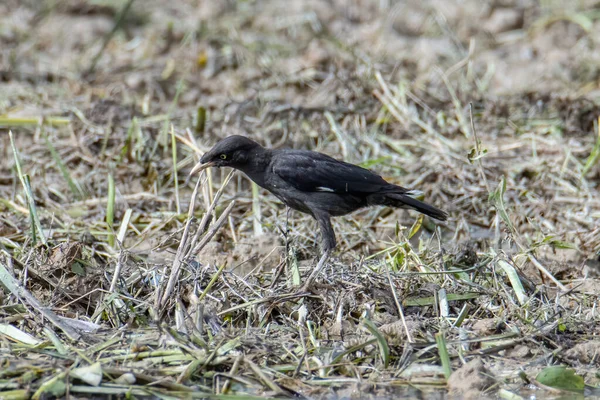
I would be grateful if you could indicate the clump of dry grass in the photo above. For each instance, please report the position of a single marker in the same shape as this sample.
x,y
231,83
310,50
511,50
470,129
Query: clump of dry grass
x,y
122,276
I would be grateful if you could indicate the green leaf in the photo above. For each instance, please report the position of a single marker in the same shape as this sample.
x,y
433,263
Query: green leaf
x,y
200,126
25,181
497,199
474,156
593,157
551,240
78,269
443,352
515,281
75,188
559,244
384,349
562,378
416,226
55,386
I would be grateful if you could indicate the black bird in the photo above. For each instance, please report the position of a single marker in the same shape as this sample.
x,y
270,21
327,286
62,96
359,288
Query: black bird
x,y
313,183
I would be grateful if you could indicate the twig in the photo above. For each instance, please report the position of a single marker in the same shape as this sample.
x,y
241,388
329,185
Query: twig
x,y
117,273
214,228
160,301
543,269
398,305
478,149
207,216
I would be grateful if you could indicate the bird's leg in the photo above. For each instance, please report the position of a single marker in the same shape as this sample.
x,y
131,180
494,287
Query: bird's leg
x,y
287,238
287,229
327,243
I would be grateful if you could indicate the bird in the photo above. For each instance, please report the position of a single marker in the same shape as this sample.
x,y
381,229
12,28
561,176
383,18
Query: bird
x,y
313,183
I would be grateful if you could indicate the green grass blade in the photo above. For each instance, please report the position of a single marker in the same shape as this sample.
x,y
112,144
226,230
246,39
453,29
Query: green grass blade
x,y
515,281
128,146
200,120
212,282
416,226
594,155
384,349
36,225
462,315
33,121
497,199
443,352
75,188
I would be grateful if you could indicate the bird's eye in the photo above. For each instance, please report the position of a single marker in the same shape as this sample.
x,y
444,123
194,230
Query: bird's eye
x,y
223,156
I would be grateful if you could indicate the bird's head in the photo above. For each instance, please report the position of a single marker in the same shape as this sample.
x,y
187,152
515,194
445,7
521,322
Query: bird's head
x,y
233,151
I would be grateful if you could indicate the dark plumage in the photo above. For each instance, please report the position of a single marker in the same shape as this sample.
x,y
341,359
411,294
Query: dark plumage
x,y
312,183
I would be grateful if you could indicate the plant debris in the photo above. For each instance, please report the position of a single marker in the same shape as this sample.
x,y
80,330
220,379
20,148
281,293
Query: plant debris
x,y
122,276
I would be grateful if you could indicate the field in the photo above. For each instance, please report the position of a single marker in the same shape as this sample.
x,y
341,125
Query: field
x,y
123,276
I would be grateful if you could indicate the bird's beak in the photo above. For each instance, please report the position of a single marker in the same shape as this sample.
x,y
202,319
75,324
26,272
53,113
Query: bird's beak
x,y
201,167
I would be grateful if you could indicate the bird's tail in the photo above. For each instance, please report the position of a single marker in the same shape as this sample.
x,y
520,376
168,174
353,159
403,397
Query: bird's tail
x,y
407,200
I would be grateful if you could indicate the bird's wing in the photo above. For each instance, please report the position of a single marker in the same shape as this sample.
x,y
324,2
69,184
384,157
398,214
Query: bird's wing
x,y
315,172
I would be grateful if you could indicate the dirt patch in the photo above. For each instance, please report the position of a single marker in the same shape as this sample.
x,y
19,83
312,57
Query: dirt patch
x,y
585,353
264,250
470,381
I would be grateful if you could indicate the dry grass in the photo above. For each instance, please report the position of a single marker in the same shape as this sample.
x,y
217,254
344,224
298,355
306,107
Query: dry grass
x,y
122,276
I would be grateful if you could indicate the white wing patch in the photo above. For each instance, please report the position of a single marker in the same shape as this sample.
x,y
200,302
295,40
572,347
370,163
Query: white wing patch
x,y
416,194
324,189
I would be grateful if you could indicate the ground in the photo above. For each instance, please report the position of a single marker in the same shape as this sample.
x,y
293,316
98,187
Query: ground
x,y
122,276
